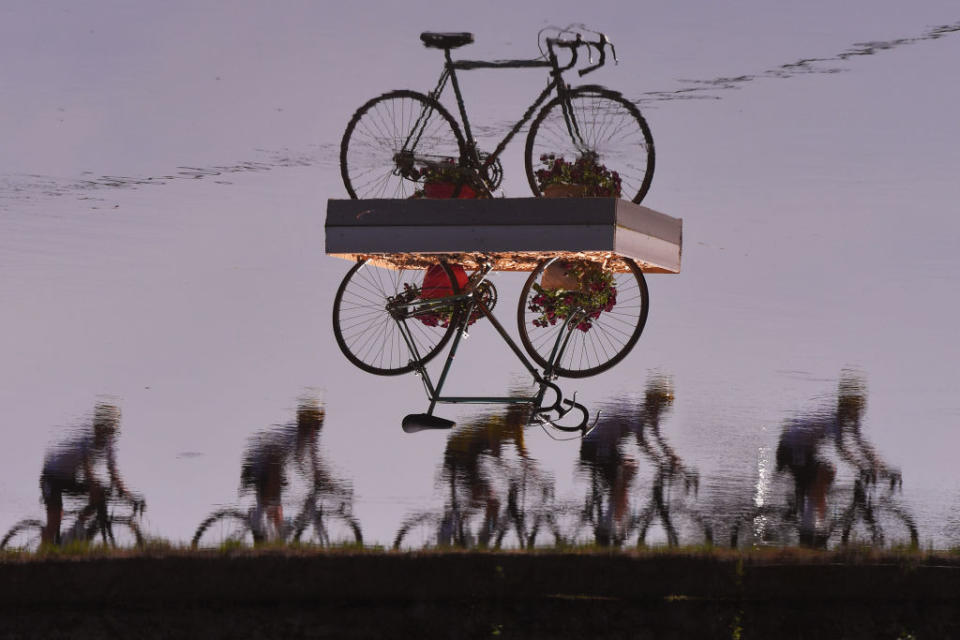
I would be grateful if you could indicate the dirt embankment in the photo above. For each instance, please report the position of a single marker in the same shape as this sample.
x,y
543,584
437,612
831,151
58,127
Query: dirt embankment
x,y
551,595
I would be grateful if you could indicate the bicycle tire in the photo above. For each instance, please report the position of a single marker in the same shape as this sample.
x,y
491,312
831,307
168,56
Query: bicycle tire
x,y
447,530
361,317
370,152
882,525
331,530
23,536
123,533
226,526
613,334
608,124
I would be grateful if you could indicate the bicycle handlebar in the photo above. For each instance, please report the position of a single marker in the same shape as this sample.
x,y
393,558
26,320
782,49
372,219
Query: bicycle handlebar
x,y
573,45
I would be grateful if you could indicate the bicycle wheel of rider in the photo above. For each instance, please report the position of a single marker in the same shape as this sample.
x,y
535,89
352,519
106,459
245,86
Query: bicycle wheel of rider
x,y
23,536
121,533
387,318
330,529
226,527
595,122
391,139
595,315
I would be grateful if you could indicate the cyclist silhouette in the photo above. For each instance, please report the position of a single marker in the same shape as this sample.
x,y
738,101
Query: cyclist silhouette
x,y
324,516
613,472
463,466
800,452
270,453
85,464
489,492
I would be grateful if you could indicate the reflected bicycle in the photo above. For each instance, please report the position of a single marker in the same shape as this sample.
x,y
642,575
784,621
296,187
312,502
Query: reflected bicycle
x,y
325,519
393,318
115,529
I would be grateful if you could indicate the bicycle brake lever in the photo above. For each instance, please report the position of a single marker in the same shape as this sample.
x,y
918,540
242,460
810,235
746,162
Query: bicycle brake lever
x,y
594,425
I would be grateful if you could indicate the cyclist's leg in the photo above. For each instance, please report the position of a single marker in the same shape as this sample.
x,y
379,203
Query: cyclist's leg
x,y
269,501
52,491
96,504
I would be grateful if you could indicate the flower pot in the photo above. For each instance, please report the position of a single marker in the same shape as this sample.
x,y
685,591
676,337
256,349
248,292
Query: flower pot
x,y
555,276
564,190
436,284
445,190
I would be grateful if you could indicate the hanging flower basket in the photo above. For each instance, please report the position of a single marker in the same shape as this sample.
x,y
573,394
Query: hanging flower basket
x,y
579,290
558,276
585,177
564,190
445,180
436,285
447,190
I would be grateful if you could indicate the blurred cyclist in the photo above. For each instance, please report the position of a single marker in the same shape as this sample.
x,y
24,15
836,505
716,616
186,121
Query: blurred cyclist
x,y
269,454
84,465
799,452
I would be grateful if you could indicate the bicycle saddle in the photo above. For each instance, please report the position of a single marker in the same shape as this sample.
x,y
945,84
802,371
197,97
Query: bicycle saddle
x,y
445,40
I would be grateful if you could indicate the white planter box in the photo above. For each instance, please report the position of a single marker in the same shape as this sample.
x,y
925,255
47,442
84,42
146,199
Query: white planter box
x,y
513,233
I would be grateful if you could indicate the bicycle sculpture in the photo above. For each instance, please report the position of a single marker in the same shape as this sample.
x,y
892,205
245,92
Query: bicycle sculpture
x,y
115,529
576,317
389,321
393,140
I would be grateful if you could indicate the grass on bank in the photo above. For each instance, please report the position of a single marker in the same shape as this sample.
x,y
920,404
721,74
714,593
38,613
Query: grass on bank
x,y
159,547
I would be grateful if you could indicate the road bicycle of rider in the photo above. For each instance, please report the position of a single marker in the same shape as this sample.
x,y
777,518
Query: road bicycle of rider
x,y
115,528
873,516
325,519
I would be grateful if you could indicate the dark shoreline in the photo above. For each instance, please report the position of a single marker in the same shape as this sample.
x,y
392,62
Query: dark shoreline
x,y
478,594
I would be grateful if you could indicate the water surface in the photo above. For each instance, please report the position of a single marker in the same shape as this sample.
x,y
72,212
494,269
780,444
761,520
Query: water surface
x,y
162,198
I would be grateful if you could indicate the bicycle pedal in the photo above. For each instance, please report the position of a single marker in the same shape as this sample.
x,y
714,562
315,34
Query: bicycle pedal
x,y
422,421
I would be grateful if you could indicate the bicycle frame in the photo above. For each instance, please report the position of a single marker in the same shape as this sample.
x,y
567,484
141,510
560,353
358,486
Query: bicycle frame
x,y
449,73
469,302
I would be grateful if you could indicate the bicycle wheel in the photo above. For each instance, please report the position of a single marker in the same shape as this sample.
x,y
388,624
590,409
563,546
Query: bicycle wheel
x,y
390,138
23,536
452,528
123,533
332,529
881,526
370,305
223,527
601,122
606,341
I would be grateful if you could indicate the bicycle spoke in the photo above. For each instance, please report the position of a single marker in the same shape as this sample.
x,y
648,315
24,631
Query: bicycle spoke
x,y
380,149
366,331
595,343
599,122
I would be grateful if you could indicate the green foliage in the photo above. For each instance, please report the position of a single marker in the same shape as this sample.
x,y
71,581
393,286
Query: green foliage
x,y
445,171
595,294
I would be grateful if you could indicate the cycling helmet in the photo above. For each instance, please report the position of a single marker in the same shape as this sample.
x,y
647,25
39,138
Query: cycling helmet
x,y
106,418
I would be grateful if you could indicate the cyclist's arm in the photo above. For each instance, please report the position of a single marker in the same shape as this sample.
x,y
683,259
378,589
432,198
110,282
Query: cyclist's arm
x,y
115,479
